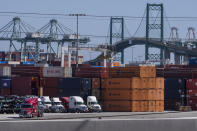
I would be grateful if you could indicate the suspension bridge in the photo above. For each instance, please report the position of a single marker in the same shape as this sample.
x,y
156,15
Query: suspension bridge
x,y
56,33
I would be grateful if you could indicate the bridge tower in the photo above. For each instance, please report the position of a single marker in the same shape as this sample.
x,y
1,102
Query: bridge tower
x,y
117,34
154,23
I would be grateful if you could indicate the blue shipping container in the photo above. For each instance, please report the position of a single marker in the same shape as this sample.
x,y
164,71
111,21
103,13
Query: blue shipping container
x,y
5,83
193,61
28,63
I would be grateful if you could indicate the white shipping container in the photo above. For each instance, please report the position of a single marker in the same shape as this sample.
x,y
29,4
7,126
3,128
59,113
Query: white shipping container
x,y
57,72
13,62
67,72
5,71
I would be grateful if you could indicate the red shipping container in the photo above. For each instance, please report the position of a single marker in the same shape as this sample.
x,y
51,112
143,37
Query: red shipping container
x,y
193,104
52,92
50,82
25,86
96,83
5,91
191,84
192,93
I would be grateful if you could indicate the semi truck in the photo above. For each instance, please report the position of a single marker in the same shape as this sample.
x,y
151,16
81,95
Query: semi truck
x,y
30,108
76,104
65,103
93,105
47,103
57,105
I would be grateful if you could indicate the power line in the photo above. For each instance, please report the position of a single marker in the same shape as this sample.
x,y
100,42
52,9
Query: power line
x,y
99,16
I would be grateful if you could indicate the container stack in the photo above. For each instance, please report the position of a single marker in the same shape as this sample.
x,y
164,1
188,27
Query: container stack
x,y
175,93
74,87
133,89
5,80
191,87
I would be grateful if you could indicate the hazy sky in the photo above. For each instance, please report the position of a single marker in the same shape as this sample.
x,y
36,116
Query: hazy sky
x,y
98,26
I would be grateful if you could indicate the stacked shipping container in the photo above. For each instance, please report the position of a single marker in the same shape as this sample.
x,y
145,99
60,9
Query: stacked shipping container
x,y
74,87
5,80
133,89
175,93
191,87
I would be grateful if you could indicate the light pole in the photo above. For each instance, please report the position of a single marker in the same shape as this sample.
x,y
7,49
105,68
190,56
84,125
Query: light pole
x,y
132,53
77,45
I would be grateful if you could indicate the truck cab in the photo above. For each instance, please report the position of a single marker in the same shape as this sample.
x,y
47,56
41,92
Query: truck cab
x,y
92,104
30,108
57,105
65,103
76,104
47,103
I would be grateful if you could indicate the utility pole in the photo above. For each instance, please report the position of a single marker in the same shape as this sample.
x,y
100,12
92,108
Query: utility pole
x,y
77,44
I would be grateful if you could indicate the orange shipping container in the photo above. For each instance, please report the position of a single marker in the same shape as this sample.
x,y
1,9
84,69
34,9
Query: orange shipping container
x,y
119,106
143,106
138,94
159,106
160,82
116,94
117,83
148,83
150,106
135,106
159,94
134,71
151,94
136,83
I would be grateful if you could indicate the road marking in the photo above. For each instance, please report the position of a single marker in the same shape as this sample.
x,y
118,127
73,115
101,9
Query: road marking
x,y
79,120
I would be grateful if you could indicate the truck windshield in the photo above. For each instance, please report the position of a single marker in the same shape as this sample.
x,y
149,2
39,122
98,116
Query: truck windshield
x,y
26,106
93,103
57,103
79,103
47,102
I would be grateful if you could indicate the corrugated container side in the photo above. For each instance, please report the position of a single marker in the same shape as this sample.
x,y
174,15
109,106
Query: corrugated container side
x,y
118,106
97,93
51,92
151,106
116,94
160,82
159,106
138,94
192,93
69,92
5,83
96,83
117,83
135,106
5,71
151,94
67,72
172,104
24,86
5,91
53,72
193,104
50,82
159,94
86,83
136,83
69,83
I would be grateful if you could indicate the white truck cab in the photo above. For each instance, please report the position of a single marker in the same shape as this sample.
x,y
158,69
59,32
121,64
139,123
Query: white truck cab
x,y
57,105
92,104
47,103
76,104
